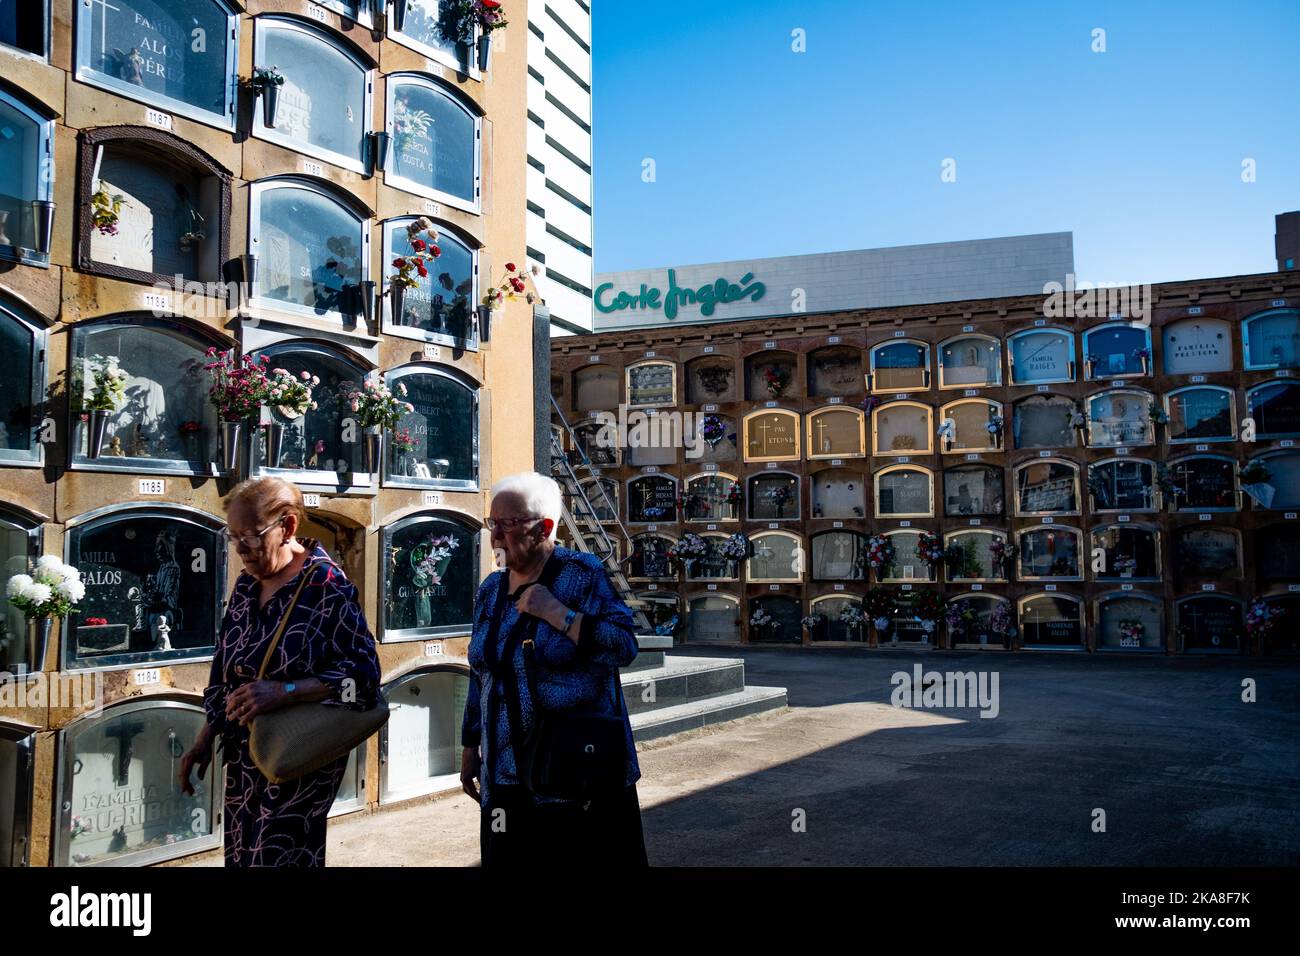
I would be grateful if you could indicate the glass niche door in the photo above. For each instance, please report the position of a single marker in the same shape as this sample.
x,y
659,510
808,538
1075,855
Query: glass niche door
x,y
442,432
119,799
430,574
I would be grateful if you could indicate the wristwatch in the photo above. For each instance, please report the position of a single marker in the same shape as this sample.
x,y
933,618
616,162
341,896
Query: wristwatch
x,y
289,688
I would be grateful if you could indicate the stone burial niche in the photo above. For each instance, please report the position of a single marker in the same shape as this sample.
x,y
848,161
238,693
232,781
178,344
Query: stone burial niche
x,y
153,207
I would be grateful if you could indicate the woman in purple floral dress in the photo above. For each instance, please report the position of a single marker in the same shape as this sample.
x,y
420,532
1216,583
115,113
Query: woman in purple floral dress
x,y
326,653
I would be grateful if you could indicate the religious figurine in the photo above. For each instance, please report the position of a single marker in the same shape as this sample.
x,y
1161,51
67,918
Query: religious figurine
x,y
163,630
134,67
115,447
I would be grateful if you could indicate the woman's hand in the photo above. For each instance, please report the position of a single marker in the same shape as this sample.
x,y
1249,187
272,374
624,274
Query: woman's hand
x,y
259,697
201,755
540,602
471,765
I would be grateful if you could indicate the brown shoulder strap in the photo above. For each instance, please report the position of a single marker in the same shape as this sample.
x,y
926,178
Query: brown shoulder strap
x,y
284,620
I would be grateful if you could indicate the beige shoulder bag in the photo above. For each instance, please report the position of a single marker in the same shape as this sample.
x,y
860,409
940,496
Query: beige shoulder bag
x,y
296,740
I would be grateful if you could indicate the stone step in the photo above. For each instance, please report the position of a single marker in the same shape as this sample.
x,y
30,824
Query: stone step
x,y
682,679
645,660
693,715
650,654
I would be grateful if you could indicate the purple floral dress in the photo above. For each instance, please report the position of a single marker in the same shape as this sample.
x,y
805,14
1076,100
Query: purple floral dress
x,y
327,638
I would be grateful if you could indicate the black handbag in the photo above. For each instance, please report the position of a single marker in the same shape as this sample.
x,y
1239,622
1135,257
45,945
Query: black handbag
x,y
569,754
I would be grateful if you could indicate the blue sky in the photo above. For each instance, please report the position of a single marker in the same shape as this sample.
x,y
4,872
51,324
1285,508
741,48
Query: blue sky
x,y
760,151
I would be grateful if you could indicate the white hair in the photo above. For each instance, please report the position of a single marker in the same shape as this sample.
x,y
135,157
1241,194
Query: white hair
x,y
540,494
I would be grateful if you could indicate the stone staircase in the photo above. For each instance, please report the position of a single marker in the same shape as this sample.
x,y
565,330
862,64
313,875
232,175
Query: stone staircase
x,y
667,695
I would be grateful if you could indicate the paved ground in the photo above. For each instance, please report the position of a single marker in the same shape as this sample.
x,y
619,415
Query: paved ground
x,y
1185,771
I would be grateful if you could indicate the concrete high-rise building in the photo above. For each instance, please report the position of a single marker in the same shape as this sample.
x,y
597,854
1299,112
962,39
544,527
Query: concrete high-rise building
x,y
559,189
1286,240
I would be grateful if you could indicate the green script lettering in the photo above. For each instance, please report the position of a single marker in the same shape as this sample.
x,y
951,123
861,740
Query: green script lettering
x,y
708,297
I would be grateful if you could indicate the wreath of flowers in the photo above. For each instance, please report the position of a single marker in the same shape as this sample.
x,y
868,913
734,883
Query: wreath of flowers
x,y
736,547
776,378
853,616
929,547
880,553
105,210
688,547
761,618
959,616
813,621
879,603
712,430
1130,632
1261,619
1000,620
927,605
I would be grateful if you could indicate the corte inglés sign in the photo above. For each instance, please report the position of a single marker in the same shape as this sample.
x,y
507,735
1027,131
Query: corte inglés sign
x,y
707,297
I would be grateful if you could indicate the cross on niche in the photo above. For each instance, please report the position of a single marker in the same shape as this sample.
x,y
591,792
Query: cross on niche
x,y
103,23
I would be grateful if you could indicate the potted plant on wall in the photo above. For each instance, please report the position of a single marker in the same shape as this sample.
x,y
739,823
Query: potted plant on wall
x,y
238,392
378,410
512,285
103,392
49,592
266,83
459,20
292,398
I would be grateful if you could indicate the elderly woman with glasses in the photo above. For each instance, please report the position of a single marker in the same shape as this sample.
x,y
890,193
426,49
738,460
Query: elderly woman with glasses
x,y
326,653
582,633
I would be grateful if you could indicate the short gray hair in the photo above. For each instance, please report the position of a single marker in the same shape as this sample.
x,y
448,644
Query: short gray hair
x,y
540,494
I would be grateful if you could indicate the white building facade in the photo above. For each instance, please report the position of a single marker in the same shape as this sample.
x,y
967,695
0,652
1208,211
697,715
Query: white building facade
x,y
559,188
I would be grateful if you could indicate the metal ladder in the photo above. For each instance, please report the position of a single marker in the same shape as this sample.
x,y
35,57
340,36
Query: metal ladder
x,y
588,532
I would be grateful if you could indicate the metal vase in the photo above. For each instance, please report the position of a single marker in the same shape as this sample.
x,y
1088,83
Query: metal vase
x,y
230,435
398,294
484,51
399,15
43,220
98,428
38,641
272,443
381,141
374,448
484,323
270,103
247,276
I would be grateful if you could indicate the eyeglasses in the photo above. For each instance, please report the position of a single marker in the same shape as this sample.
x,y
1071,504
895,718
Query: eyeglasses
x,y
509,524
253,542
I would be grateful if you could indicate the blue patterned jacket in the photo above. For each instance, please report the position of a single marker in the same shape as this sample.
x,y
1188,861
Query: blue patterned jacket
x,y
568,676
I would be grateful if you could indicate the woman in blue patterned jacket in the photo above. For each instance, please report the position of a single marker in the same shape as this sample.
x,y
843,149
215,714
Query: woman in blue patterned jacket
x,y
584,634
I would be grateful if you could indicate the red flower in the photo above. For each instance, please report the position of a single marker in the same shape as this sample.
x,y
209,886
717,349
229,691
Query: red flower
x,y
418,245
510,267
435,251
490,4
424,273
399,263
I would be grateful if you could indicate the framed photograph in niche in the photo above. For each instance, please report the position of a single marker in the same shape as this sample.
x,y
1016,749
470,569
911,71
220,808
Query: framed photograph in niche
x,y
839,493
650,560
1050,486
710,380
146,50
174,212
711,497
1041,356
1044,421
165,423
118,802
1120,418
441,306
1122,484
1130,622
651,499
903,491
324,102
156,575
434,138
775,556
651,383
784,616
1204,483
771,435
1277,553
836,432
839,556
772,496
1216,553
902,428
443,430
1209,623
1117,350
1271,339
1130,553
713,619
597,388
973,490
1051,622
1197,345
1202,413
1049,552
770,375
1275,406
836,370
970,361
430,574
907,564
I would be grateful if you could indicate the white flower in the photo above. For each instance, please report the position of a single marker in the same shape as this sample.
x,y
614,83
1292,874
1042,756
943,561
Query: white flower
x,y
74,591
37,593
18,584
69,573
48,563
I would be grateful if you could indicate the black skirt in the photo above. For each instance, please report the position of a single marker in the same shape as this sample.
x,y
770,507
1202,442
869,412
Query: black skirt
x,y
516,832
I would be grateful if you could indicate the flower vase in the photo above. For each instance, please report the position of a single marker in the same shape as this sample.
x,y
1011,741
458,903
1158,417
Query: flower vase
x,y
423,608
882,627
399,15
98,428
272,443
270,93
38,641
484,51
398,293
1146,365
484,323
374,448
231,432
